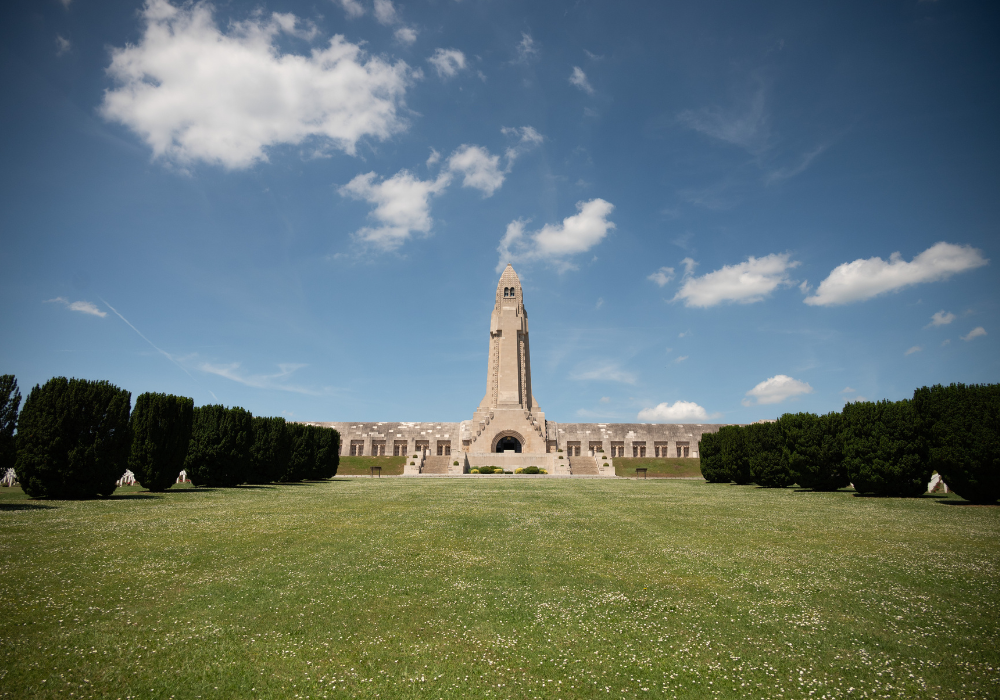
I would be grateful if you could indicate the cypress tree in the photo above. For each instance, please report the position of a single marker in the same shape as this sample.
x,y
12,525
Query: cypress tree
x,y
73,439
814,450
885,450
712,466
327,453
736,453
219,450
302,464
271,450
161,432
963,426
767,457
10,400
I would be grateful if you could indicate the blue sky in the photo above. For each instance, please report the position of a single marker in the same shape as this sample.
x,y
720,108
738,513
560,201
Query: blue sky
x,y
719,211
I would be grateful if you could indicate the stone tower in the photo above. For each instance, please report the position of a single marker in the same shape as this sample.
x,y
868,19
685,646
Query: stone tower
x,y
508,414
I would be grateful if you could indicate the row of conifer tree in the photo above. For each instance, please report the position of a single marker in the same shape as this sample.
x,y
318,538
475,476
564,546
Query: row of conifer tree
x,y
75,438
885,448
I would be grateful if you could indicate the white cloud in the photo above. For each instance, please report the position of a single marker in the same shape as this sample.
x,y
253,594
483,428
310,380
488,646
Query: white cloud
x,y
941,318
915,348
84,307
662,276
689,266
681,358
848,390
527,138
406,35
62,45
746,282
775,390
526,49
579,78
447,62
974,333
480,169
555,242
946,341
260,381
352,8
605,399
747,129
792,170
385,12
679,411
603,372
194,93
433,158
402,205
864,279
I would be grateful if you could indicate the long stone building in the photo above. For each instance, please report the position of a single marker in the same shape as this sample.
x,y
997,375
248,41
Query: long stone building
x,y
509,428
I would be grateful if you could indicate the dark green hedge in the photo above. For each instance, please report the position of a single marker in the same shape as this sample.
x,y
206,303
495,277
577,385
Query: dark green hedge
x,y
814,450
768,465
712,466
10,400
271,450
885,450
73,439
735,451
219,449
963,426
161,432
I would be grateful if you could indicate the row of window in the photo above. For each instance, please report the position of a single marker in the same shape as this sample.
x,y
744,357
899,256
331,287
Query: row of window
x,y
683,449
399,448
508,292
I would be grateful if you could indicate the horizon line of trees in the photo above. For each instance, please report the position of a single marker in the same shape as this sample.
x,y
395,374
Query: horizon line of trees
x,y
74,438
883,448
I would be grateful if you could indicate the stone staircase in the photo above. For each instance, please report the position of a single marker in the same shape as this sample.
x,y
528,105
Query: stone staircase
x,y
437,464
584,465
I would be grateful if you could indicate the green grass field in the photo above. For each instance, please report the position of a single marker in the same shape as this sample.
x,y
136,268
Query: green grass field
x,y
361,466
506,588
682,467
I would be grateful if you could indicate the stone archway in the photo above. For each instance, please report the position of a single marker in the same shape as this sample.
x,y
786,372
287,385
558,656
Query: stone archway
x,y
508,440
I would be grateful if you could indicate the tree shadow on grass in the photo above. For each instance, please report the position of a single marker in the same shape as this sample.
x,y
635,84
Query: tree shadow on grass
x,y
127,497
24,506
254,487
196,489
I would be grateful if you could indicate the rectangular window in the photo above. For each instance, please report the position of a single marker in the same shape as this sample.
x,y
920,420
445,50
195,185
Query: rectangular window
x,y
357,448
617,449
399,448
423,446
596,446
444,447
638,449
378,448
573,448
683,449
660,449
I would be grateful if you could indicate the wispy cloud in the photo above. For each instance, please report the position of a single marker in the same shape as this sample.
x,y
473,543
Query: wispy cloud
x,y
976,332
352,8
915,348
785,172
744,283
261,381
681,358
151,343
602,372
402,206
775,390
662,276
746,127
863,279
526,50
555,243
677,412
579,79
84,307
941,318
447,62
62,45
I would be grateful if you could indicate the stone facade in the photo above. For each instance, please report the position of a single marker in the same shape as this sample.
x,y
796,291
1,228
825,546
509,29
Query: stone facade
x,y
509,429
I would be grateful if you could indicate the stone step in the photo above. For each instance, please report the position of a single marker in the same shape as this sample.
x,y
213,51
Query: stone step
x,y
584,465
436,464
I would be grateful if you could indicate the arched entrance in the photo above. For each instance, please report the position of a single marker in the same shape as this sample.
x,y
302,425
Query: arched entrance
x,y
508,440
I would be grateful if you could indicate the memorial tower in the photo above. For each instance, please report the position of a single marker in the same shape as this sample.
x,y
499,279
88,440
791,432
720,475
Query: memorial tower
x,y
508,417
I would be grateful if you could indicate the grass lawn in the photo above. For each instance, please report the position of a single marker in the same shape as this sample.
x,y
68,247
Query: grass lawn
x,y
659,466
508,588
361,466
